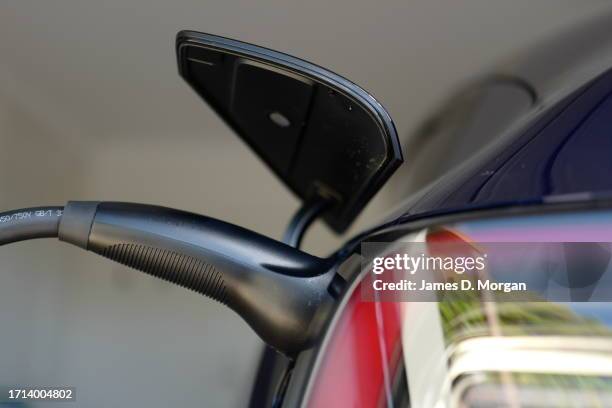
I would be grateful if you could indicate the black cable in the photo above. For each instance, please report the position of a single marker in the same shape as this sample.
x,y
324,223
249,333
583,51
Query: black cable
x,y
277,289
29,223
302,219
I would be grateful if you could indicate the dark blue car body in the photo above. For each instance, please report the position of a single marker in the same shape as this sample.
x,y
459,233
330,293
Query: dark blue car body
x,y
534,131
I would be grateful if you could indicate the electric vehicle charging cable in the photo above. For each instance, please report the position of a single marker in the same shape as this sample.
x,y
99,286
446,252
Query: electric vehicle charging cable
x,y
280,291
29,223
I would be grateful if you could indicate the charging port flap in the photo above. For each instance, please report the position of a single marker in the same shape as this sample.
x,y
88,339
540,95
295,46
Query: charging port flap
x,y
321,134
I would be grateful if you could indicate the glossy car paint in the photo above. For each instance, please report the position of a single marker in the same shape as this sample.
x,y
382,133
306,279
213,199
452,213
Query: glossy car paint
x,y
340,379
554,150
560,154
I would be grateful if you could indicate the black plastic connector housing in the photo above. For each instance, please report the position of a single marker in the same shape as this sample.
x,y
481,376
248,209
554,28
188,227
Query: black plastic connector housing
x,y
278,290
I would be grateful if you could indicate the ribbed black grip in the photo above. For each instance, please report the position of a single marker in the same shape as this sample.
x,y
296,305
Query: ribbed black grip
x,y
174,267
275,288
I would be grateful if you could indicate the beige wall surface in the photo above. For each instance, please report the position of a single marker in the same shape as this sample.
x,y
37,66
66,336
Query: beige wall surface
x,y
92,107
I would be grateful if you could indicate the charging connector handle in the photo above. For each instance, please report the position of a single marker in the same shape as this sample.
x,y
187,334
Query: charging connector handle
x,y
277,289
